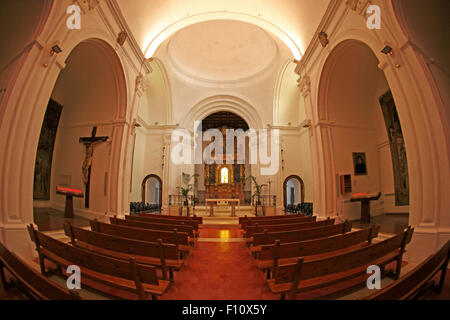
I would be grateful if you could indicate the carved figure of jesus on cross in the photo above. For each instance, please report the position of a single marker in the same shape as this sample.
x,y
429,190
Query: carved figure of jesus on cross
x,y
90,143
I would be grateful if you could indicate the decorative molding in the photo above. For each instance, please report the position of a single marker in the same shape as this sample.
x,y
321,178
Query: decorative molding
x,y
141,86
87,5
359,6
304,83
137,51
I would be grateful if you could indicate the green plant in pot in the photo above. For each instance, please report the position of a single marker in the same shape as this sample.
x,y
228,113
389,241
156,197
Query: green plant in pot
x,y
187,187
257,189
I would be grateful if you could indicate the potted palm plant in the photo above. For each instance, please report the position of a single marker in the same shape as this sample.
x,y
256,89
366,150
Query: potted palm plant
x,y
257,192
186,187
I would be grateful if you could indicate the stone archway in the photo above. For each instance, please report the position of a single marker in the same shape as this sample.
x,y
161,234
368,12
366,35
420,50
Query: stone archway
x,y
144,187
285,185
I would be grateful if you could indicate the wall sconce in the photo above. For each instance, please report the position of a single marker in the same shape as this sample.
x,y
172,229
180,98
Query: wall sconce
x,y
387,50
55,50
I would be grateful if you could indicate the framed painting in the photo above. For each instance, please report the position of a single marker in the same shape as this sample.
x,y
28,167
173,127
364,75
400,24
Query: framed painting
x,y
360,163
44,154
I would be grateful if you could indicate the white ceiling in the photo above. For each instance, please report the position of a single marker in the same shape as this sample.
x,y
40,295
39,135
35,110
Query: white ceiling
x,y
293,21
221,50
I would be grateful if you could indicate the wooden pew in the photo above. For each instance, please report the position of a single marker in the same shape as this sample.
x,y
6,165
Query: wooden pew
x,y
284,227
192,223
179,239
273,255
310,275
124,275
181,218
417,281
161,255
247,219
279,221
29,281
154,226
267,238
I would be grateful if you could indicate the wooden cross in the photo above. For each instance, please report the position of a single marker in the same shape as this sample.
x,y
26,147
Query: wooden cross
x,y
90,143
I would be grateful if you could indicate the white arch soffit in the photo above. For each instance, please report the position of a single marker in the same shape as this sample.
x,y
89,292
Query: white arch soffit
x,y
277,92
215,104
154,41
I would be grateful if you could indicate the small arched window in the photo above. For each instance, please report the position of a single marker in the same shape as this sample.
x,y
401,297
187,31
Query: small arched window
x,y
224,175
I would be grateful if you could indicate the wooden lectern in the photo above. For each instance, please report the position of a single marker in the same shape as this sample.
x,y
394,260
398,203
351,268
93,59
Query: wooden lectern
x,y
365,199
69,193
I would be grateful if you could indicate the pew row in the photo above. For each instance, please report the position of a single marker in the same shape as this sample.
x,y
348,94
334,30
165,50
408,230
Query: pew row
x,y
273,255
179,239
199,220
34,285
268,238
130,276
245,218
306,276
251,231
245,226
154,226
286,227
419,280
146,219
158,254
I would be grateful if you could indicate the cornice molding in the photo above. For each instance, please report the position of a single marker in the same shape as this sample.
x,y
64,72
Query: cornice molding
x,y
136,50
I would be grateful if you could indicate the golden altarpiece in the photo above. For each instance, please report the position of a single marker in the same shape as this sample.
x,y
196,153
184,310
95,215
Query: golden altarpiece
x,y
225,181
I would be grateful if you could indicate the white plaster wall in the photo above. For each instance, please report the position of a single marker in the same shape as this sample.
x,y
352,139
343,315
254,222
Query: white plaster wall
x,y
85,89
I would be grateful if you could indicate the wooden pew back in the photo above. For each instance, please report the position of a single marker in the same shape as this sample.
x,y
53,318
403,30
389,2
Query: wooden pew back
x,y
130,246
412,285
146,219
249,219
199,220
302,234
153,226
279,221
174,237
37,286
137,273
251,230
340,263
318,246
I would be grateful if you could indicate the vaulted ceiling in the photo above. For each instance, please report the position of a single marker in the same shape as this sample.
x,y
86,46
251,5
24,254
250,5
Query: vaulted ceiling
x,y
293,21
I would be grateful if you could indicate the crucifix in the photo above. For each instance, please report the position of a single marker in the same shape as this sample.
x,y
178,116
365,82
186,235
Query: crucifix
x,y
90,143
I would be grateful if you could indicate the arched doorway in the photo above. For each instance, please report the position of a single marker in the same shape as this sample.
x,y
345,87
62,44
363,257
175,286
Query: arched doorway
x,y
152,190
76,147
293,191
366,137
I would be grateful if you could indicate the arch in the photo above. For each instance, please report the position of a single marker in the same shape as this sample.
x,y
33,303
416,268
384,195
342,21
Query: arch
x,y
21,126
218,103
155,41
144,182
302,189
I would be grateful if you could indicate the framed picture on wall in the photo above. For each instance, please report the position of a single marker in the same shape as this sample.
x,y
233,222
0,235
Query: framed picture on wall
x,y
359,163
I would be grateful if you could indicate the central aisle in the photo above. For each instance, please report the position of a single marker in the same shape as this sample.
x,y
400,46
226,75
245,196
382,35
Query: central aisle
x,y
220,268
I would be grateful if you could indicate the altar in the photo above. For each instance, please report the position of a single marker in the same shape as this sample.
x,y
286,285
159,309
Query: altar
x,y
232,202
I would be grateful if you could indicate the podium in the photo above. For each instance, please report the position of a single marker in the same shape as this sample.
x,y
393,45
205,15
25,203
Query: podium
x,y
69,193
365,199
